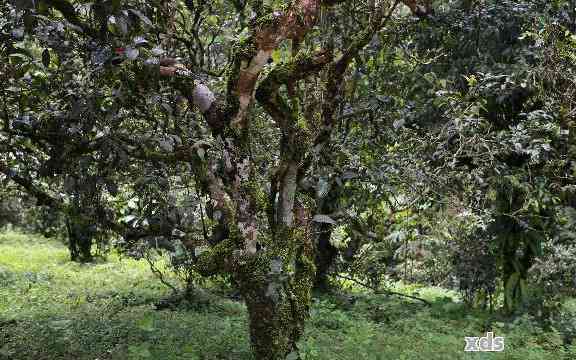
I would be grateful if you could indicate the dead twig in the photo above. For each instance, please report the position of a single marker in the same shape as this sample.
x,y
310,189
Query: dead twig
x,y
380,291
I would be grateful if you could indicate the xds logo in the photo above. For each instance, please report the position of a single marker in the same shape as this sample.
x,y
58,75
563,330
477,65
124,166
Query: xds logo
x,y
484,343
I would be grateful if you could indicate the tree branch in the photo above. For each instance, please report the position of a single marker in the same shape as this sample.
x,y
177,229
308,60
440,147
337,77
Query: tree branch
x,y
380,291
338,68
70,14
282,74
42,197
249,61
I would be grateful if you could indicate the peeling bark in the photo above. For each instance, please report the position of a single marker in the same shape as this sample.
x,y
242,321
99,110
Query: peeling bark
x,y
420,8
203,97
276,282
294,23
288,186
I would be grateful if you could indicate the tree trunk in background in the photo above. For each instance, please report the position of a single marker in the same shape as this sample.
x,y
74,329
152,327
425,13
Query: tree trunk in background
x,y
517,245
79,240
326,254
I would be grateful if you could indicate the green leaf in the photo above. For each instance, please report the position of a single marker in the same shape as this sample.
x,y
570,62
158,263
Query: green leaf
x,y
534,243
142,17
277,56
139,351
19,56
323,219
146,324
212,20
46,57
292,356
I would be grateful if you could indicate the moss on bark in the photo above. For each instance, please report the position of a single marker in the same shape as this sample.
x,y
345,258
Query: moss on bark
x,y
276,286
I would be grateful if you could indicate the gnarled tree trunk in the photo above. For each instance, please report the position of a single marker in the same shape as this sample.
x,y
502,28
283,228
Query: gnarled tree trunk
x,y
276,285
277,313
274,266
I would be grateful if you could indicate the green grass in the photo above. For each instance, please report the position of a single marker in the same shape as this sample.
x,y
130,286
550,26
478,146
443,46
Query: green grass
x,y
53,309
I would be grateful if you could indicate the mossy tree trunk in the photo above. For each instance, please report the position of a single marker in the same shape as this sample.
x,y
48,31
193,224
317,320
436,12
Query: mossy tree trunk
x,y
276,285
276,325
273,265
277,292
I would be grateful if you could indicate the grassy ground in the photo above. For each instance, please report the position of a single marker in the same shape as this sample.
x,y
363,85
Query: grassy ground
x,y
53,309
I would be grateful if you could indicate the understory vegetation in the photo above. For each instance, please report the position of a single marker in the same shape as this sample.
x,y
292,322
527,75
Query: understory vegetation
x,y
51,308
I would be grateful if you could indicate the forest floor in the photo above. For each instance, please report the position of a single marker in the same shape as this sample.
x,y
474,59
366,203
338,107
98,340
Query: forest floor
x,y
53,309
